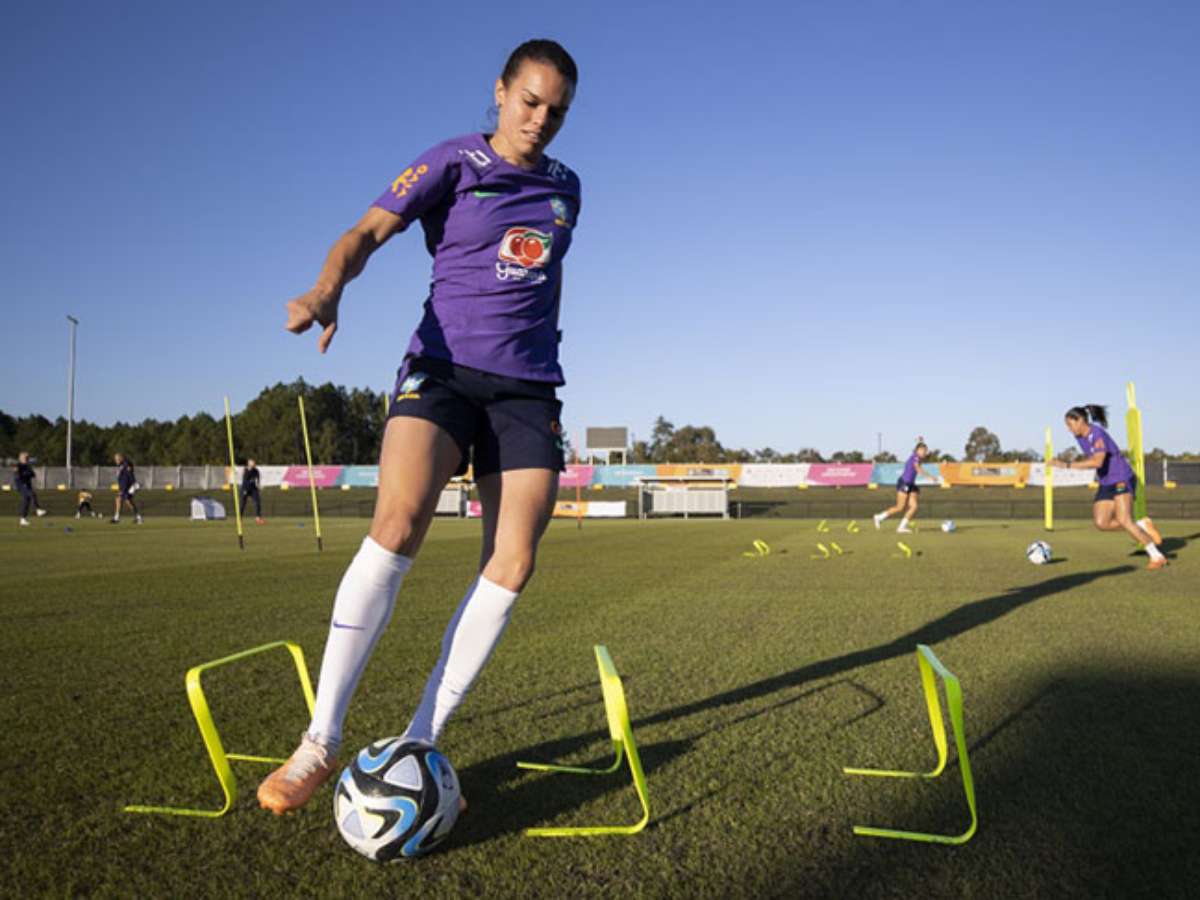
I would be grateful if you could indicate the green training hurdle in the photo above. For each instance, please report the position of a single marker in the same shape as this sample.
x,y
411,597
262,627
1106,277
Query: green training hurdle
x,y
212,739
621,732
929,664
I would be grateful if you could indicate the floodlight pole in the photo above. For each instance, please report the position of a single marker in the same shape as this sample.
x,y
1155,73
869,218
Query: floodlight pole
x,y
71,397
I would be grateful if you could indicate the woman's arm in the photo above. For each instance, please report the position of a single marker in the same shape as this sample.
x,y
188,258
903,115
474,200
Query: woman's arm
x,y
346,260
1095,461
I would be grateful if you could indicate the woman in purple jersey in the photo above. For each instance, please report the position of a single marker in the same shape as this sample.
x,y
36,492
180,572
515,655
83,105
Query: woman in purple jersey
x,y
477,386
907,490
1112,510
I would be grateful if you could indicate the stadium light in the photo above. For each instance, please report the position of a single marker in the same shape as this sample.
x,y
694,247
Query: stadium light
x,y
71,397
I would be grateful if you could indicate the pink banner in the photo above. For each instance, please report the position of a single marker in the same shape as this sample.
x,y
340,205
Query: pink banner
x,y
324,476
575,476
843,474
474,509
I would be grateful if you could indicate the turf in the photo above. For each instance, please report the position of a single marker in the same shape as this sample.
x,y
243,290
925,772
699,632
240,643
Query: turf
x,y
751,682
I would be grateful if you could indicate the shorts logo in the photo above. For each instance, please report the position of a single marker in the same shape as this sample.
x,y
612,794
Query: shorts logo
x,y
1121,485
556,429
562,212
408,387
407,179
521,251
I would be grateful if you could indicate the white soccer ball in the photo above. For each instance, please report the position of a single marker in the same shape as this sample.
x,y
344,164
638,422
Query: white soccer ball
x,y
398,798
1039,552
948,526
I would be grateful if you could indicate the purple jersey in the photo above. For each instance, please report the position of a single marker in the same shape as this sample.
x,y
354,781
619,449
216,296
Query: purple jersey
x,y
1114,469
910,470
497,234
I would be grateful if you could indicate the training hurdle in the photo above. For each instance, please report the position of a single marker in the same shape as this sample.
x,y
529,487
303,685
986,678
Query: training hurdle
x,y
929,664
212,739
621,732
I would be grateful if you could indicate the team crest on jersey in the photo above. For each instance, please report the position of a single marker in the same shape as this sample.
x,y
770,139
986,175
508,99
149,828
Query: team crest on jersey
x,y
409,387
562,212
522,252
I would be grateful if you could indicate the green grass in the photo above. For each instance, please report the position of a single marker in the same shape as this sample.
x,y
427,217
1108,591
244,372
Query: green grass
x,y
751,682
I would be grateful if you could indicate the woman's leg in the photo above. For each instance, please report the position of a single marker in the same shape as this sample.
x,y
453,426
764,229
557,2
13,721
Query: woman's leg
x,y
1123,514
516,509
1104,515
898,506
417,460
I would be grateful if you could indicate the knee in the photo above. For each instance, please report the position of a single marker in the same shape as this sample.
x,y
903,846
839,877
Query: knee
x,y
397,533
510,569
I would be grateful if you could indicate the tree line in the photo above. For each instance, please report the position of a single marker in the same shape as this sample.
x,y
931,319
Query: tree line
x,y
346,427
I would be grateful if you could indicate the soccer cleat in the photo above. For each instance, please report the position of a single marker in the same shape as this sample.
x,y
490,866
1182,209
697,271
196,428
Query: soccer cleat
x,y
878,519
137,520
1148,527
41,512
259,520
903,529
23,521
1160,563
78,515
114,521
291,785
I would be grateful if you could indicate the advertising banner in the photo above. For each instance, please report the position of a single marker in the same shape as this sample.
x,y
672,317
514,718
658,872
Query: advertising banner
x,y
622,476
773,474
576,476
360,476
985,473
731,471
590,509
889,473
271,476
840,474
324,476
1062,477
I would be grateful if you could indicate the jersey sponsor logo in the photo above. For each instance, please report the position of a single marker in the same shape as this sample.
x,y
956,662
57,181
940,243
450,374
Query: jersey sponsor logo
x,y
477,158
408,179
562,213
527,247
483,195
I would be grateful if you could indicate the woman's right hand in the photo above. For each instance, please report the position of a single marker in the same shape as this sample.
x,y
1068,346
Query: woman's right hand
x,y
317,305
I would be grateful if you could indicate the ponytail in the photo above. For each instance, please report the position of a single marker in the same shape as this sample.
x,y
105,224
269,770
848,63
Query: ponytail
x,y
1090,412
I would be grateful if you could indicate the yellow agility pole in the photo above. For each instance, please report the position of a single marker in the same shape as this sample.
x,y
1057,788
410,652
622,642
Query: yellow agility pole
x,y
233,488
621,732
929,664
1137,449
212,738
1048,483
312,482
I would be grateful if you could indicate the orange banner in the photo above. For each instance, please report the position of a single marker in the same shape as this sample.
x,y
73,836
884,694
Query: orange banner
x,y
985,473
732,471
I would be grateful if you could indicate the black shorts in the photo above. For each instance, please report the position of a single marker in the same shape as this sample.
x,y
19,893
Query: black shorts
x,y
907,487
1112,491
499,423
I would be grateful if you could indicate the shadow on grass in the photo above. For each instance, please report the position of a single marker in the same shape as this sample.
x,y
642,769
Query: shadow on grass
x,y
546,798
1090,789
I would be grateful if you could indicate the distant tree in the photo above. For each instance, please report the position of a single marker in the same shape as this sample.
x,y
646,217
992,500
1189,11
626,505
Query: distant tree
x,y
848,456
1069,455
766,455
936,455
981,446
809,455
885,457
639,452
661,436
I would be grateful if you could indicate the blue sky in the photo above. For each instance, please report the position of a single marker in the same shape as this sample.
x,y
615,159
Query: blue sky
x,y
804,223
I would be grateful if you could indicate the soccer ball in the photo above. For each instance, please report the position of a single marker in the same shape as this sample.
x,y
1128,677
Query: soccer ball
x,y
1038,552
398,798
948,526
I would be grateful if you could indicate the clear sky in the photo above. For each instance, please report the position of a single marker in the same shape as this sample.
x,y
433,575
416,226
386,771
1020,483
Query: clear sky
x,y
804,223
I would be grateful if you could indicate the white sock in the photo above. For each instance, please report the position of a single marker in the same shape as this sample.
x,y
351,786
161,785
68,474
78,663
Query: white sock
x,y
903,523
1154,552
883,515
1142,523
361,612
470,638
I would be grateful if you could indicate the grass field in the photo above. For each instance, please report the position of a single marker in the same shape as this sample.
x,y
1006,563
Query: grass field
x,y
751,682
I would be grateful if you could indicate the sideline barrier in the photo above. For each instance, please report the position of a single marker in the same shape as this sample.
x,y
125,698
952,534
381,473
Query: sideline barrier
x,y
929,664
621,732
212,738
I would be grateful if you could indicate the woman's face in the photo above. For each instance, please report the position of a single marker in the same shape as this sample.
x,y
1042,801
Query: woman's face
x,y
922,452
1077,427
532,109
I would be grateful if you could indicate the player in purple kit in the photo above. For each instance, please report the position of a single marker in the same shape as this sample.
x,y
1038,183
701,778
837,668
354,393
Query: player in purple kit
x,y
22,478
1112,510
907,490
477,385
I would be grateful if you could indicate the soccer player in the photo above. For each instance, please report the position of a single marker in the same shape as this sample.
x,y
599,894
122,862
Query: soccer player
x,y
127,486
907,490
84,505
250,478
477,384
1112,508
22,479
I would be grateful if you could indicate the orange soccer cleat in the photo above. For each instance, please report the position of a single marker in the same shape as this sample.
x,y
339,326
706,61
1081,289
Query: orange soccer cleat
x,y
292,785
1160,563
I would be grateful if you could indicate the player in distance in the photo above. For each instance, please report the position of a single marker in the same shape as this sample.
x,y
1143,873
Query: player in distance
x,y
1112,509
907,490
